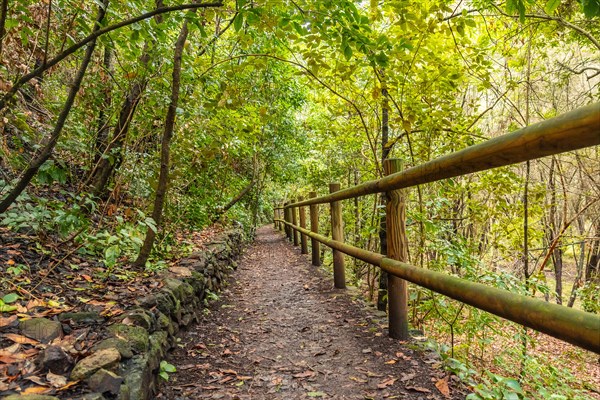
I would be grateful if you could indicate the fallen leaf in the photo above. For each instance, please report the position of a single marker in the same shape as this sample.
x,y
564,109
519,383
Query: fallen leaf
x,y
20,339
442,386
353,378
228,371
277,380
68,385
386,383
316,394
4,322
87,278
390,362
407,377
226,379
418,389
36,390
305,374
56,380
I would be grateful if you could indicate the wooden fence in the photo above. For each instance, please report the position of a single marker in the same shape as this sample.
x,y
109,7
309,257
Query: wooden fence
x,y
571,131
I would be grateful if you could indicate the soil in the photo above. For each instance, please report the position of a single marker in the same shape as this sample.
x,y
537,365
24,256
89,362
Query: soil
x,y
281,331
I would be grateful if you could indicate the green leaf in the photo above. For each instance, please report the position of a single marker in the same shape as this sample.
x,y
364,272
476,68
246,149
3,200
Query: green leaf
x,y
6,308
591,8
149,222
238,22
514,385
11,298
165,366
551,5
347,52
316,394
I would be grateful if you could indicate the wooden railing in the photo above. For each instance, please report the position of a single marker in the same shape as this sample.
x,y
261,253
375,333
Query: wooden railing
x,y
571,131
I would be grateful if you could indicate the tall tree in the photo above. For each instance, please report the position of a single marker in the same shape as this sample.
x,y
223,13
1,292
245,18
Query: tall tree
x,y
163,178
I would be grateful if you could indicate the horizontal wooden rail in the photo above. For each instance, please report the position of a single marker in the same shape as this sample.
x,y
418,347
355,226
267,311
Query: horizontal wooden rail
x,y
574,130
574,326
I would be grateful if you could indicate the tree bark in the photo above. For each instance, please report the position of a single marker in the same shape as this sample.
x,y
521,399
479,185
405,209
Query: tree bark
x,y
3,14
47,150
385,151
103,125
163,178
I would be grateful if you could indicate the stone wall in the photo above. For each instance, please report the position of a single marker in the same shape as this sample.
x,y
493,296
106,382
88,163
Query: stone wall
x,y
125,365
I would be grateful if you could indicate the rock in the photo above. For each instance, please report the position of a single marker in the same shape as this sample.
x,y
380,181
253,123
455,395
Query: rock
x,y
164,303
135,335
55,360
115,343
124,394
29,397
139,378
104,381
101,359
180,272
81,317
140,318
41,329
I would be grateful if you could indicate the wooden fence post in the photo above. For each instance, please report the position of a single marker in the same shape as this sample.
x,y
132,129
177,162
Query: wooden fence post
x,y
397,248
295,222
303,243
337,233
275,217
314,227
287,216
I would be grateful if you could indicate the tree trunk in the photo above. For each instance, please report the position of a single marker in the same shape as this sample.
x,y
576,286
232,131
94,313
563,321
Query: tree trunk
x,y
385,151
47,150
592,269
3,13
163,178
554,230
237,198
103,123
112,151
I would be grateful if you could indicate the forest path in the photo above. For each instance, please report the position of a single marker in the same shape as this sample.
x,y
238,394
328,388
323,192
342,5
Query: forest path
x,y
281,331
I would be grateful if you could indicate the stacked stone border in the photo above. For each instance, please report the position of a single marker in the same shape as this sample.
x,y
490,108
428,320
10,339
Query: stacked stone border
x,y
126,364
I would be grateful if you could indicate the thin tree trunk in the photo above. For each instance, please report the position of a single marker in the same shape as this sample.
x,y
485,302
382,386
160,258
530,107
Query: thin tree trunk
x,y
163,178
46,152
47,37
385,151
592,270
233,201
103,125
554,231
3,14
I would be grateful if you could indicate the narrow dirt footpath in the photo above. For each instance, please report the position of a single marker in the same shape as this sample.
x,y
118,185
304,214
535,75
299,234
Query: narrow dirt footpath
x,y
281,331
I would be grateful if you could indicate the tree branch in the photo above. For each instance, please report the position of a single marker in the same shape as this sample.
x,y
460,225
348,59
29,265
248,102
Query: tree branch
x,y
93,36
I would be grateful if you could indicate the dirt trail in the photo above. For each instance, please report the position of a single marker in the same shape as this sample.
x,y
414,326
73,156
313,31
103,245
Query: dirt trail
x,y
281,331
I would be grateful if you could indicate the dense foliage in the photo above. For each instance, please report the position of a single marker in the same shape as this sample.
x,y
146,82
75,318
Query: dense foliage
x,y
273,99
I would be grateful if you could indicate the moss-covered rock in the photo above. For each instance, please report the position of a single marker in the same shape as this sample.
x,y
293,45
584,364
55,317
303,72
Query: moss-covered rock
x,y
106,359
135,335
121,345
